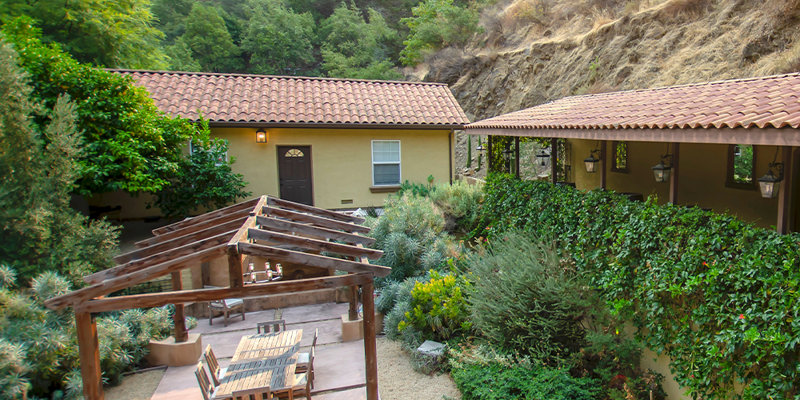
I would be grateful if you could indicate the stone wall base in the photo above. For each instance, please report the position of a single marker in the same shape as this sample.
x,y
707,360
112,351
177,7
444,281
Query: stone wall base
x,y
167,352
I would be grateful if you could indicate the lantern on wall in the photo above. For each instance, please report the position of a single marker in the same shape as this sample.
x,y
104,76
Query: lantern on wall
x,y
662,170
261,135
542,160
591,162
770,183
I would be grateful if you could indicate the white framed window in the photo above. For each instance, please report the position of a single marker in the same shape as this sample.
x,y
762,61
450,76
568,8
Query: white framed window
x,y
385,162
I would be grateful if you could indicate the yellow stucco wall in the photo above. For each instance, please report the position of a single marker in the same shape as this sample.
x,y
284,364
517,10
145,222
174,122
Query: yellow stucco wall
x,y
341,160
703,172
341,164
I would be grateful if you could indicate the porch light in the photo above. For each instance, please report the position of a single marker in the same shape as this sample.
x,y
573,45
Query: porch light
x,y
770,183
662,170
591,162
543,164
261,135
479,147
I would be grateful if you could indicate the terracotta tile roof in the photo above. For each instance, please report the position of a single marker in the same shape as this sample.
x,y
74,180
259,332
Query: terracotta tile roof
x,y
238,98
765,102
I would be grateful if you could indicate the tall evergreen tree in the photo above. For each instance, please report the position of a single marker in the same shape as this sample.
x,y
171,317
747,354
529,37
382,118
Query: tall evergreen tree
x,y
278,40
209,40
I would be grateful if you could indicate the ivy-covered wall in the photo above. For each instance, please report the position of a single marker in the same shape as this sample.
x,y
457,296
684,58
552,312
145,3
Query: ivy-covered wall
x,y
719,296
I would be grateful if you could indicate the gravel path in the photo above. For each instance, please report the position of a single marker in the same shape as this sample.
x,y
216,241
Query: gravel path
x,y
136,387
397,380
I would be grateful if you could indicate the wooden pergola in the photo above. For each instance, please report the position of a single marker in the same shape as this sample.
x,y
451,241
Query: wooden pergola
x,y
266,227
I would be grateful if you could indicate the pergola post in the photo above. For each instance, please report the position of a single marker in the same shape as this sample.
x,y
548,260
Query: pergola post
x,y
370,346
179,318
673,177
235,267
554,159
89,352
352,312
489,153
603,164
516,156
785,196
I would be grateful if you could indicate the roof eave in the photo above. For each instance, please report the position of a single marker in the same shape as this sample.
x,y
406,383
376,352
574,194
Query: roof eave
x,y
756,136
252,124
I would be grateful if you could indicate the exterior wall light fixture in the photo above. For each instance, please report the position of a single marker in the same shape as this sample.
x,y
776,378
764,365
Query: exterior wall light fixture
x,y
261,135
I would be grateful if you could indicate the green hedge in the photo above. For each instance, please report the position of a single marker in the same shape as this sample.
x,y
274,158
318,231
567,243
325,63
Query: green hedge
x,y
496,381
718,295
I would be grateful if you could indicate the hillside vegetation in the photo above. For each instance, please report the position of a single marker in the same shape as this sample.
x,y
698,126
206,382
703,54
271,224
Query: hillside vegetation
x,y
533,51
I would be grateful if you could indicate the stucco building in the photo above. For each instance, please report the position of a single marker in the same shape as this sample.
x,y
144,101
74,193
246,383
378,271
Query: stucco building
x,y
332,143
719,138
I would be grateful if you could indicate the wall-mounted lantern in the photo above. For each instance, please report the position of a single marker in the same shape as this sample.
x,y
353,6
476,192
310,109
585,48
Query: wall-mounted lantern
x,y
542,163
479,147
662,170
770,183
592,161
261,135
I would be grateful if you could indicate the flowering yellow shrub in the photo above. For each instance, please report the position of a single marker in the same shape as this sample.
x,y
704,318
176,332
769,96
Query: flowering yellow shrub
x,y
438,307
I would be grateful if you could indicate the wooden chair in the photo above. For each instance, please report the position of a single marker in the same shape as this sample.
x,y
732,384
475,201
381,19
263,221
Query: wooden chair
x,y
213,365
205,386
258,393
301,387
305,361
227,307
277,326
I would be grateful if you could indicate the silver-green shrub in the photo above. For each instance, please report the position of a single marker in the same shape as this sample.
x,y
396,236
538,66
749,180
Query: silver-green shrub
x,y
461,204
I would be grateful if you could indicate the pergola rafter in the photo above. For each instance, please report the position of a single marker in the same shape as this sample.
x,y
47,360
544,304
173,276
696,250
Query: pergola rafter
x,y
267,227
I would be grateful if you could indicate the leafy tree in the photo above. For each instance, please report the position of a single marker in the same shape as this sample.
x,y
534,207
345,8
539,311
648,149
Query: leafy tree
x,y
181,58
211,43
111,33
204,168
170,16
278,40
37,173
356,48
130,144
435,24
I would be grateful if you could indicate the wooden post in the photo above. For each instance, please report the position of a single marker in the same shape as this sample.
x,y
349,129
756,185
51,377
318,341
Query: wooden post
x,y
353,311
370,346
603,164
235,267
179,318
554,159
516,156
488,154
673,177
785,196
89,352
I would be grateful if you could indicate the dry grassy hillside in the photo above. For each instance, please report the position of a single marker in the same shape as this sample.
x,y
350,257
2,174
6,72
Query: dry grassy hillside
x,y
535,51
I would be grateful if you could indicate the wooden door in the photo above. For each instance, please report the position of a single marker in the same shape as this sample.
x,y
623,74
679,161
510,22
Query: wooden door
x,y
294,174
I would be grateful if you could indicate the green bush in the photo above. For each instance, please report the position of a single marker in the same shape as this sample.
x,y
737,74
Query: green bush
x,y
717,295
525,299
505,382
410,235
461,204
396,299
38,347
438,308
435,24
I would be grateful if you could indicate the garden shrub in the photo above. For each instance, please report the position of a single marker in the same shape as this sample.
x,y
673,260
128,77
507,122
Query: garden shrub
x,y
397,300
524,298
409,233
460,203
717,295
438,308
38,346
518,381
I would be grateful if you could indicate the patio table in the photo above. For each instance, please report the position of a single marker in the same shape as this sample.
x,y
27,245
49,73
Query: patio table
x,y
278,376
260,360
268,345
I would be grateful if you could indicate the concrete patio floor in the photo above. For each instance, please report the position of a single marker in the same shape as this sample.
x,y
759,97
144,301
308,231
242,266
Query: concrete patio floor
x,y
339,366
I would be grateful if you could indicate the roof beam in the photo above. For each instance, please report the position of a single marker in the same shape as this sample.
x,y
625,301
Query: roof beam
x,y
239,215
312,219
283,226
178,242
767,137
136,265
273,201
311,260
186,296
127,280
313,244
205,217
